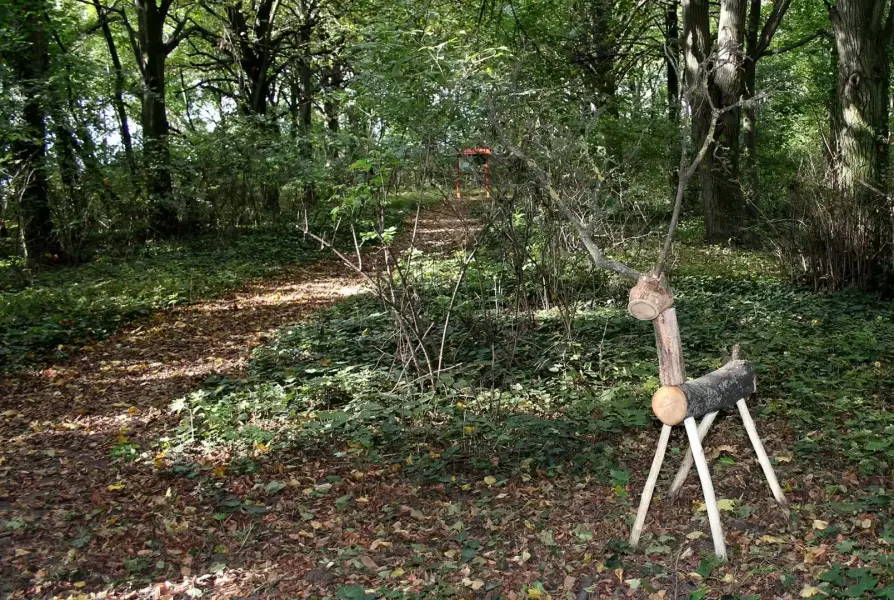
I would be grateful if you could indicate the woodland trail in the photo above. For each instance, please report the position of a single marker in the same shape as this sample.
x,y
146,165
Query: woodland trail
x,y
73,512
77,521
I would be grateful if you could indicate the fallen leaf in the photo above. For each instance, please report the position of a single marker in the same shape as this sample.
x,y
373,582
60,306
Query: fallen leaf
x,y
784,457
726,504
820,524
369,563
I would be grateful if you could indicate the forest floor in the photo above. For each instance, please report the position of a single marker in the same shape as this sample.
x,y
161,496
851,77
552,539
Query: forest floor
x,y
92,505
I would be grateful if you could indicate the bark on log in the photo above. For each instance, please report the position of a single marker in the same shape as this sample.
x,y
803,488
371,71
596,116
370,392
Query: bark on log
x,y
709,393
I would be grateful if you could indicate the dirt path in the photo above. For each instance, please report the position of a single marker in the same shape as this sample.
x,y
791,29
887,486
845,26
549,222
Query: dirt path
x,y
77,521
72,514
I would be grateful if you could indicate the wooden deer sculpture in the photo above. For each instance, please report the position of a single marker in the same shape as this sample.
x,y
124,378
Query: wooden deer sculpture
x,y
678,400
681,401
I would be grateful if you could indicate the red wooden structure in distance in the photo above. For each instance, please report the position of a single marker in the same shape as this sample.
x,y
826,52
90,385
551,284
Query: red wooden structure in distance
x,y
483,152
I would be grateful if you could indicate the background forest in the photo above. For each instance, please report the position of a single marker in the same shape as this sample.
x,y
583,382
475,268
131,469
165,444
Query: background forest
x,y
263,331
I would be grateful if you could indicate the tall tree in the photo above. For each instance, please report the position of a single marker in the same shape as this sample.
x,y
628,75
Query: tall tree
x,y
251,42
714,82
151,49
29,58
863,32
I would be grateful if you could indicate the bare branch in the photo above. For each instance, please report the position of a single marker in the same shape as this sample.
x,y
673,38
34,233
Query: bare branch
x,y
583,233
682,183
780,7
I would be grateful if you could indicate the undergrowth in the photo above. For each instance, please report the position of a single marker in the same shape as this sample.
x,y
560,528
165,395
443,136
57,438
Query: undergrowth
x,y
50,313
520,395
55,311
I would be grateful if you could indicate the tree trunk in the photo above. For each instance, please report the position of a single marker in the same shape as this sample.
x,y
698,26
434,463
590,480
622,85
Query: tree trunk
x,y
154,119
696,46
863,34
716,83
305,113
602,53
749,111
672,59
30,150
723,201
757,42
334,83
118,96
255,49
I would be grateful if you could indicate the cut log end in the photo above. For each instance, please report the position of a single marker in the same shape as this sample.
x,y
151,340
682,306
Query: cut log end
x,y
669,405
643,310
649,298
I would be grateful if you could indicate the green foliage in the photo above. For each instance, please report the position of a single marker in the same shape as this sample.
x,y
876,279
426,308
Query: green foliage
x,y
57,311
538,399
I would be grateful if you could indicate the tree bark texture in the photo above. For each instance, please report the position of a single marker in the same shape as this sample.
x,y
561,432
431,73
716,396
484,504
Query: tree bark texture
x,y
723,201
863,34
719,389
31,67
716,82
696,48
863,38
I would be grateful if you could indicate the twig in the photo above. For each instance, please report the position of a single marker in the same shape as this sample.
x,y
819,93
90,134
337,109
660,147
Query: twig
x,y
583,233
682,183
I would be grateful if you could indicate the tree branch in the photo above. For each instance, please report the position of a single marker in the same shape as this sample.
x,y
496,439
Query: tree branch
x,y
795,45
780,7
583,233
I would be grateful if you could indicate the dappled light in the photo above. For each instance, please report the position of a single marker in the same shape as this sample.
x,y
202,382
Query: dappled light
x,y
403,300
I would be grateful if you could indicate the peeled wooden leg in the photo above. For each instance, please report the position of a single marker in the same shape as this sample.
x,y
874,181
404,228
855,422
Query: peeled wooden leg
x,y
762,457
646,499
683,472
701,464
